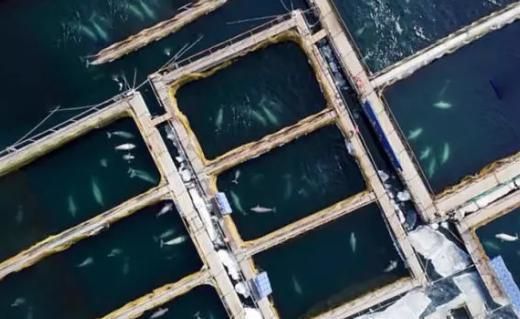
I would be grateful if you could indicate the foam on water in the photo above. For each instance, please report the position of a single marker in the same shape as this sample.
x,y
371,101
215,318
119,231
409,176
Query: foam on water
x,y
387,31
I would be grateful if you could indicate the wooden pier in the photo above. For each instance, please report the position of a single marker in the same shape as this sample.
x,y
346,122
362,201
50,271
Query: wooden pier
x,y
481,262
353,66
160,296
186,209
156,32
269,142
306,224
172,187
447,45
349,130
370,299
34,147
496,210
468,227
232,48
498,173
91,227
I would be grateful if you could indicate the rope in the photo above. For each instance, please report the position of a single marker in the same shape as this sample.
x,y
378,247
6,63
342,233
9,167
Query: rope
x,y
51,113
184,49
253,19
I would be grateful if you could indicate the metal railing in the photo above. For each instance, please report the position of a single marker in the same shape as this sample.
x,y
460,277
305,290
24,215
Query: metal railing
x,y
228,42
17,146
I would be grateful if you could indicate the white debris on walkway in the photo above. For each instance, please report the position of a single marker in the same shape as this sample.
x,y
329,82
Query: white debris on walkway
x,y
446,258
411,306
229,263
241,289
203,213
252,313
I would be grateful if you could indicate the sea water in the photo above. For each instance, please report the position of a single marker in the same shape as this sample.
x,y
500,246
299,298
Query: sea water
x,y
100,274
78,181
237,105
387,31
291,182
335,263
460,113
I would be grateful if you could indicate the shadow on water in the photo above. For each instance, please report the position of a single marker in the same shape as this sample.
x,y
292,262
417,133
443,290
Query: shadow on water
x,y
496,246
331,265
459,123
48,42
100,274
388,31
202,302
309,174
72,184
258,94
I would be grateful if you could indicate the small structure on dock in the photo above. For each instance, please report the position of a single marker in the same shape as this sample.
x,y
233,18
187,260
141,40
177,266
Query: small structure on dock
x,y
222,204
507,282
261,286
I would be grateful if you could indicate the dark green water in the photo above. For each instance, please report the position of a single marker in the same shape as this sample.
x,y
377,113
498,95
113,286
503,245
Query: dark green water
x,y
202,302
455,121
239,106
44,63
320,270
72,184
387,31
510,251
105,272
298,184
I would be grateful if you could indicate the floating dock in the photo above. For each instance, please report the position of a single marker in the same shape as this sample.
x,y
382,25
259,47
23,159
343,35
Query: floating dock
x,y
467,228
160,296
349,59
306,224
30,149
271,141
191,207
335,113
495,175
187,209
157,32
